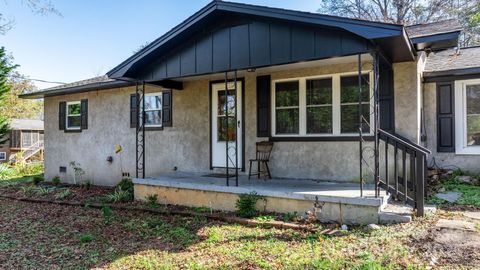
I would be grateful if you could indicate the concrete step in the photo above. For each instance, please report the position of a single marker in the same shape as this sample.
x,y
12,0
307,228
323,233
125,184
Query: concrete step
x,y
395,212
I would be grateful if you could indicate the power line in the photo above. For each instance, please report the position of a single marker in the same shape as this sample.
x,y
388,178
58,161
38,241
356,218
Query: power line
x,y
37,80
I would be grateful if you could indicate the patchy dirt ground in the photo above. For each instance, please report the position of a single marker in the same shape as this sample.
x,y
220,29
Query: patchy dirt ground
x,y
52,236
452,241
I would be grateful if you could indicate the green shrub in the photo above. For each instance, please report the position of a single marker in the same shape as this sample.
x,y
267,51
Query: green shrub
x,y
37,179
152,200
290,217
23,168
107,214
87,184
42,191
119,195
246,204
28,190
67,193
56,180
6,171
126,184
85,238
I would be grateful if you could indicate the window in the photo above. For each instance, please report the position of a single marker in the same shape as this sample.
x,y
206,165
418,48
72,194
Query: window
x,y
320,106
467,114
349,103
287,107
73,115
26,138
153,109
223,133
3,156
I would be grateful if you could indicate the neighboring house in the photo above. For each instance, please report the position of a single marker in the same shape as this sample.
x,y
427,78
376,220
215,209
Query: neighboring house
x,y
298,78
25,141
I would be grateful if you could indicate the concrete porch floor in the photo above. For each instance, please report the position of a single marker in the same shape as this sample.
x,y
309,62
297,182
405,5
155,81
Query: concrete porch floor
x,y
330,201
298,189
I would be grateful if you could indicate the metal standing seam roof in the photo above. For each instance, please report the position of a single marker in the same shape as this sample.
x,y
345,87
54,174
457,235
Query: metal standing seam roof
x,y
452,59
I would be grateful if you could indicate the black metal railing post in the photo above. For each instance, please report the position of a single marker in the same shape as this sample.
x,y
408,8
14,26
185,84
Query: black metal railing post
x,y
420,184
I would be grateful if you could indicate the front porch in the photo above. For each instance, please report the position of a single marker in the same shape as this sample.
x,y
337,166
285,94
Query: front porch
x,y
330,201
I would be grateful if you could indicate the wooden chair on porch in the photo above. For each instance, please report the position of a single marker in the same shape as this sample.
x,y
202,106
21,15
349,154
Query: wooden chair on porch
x,y
263,151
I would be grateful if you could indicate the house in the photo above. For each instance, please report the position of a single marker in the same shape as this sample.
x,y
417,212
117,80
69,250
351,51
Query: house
x,y
25,139
364,104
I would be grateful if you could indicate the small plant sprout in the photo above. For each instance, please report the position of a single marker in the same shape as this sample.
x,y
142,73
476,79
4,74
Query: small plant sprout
x,y
152,200
56,180
42,191
78,172
107,214
63,195
246,204
28,190
85,238
37,179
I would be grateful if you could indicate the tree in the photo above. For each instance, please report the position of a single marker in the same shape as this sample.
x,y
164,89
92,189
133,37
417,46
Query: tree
x,y
391,11
41,7
410,12
15,107
5,69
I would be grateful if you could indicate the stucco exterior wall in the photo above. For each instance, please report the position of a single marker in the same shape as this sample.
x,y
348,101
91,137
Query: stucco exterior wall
x,y
408,97
447,160
185,145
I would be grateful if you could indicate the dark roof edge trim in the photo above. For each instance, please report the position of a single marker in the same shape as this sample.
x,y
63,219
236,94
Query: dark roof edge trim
x,y
253,10
77,89
436,37
449,75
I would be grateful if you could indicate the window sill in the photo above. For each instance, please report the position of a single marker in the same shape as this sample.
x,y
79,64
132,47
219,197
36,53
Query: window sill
x,y
320,139
153,128
73,130
469,151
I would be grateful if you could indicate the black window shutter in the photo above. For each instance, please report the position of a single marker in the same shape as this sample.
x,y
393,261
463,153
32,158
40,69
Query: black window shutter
x,y
263,106
167,108
386,99
84,113
445,117
62,114
133,111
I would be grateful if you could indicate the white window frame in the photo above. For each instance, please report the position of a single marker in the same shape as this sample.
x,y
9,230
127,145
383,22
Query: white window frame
x,y
67,115
4,154
461,147
336,112
160,109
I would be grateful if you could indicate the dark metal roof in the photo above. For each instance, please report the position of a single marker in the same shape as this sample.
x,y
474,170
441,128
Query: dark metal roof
x,y
92,84
365,29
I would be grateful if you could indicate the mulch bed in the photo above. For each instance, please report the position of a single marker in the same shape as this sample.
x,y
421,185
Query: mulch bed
x,y
91,197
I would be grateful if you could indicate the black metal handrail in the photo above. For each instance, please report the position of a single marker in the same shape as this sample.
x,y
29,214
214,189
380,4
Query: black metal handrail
x,y
404,141
408,185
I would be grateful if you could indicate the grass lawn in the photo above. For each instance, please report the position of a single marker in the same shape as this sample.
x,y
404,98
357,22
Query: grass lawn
x,y
46,236
53,236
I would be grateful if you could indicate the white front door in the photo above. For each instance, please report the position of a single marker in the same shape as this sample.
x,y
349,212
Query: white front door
x,y
220,133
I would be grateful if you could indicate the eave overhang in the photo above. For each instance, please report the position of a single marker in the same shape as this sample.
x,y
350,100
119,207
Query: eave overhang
x,y
391,37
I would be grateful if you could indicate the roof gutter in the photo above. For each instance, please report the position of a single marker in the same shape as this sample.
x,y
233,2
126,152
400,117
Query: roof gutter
x,y
77,89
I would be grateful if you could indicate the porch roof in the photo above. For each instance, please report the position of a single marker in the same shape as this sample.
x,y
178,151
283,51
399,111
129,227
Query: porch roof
x,y
210,20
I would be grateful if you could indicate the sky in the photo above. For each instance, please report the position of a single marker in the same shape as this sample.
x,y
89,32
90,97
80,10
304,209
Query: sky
x,y
93,36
